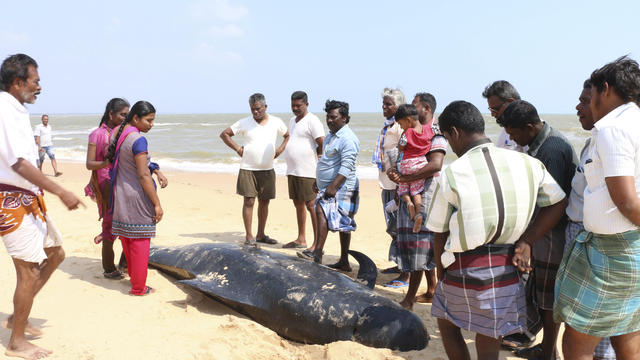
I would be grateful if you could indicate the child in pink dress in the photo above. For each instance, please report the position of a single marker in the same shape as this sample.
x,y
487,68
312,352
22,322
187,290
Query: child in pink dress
x,y
413,145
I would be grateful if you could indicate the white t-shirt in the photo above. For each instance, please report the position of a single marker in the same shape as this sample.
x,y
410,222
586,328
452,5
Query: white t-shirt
x,y
614,150
45,134
301,154
391,139
259,141
16,141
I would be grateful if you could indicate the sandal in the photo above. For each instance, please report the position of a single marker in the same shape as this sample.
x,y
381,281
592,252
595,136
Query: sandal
x,y
293,245
148,290
267,240
114,275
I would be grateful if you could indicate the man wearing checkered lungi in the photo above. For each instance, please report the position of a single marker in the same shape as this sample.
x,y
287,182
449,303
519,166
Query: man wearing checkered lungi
x,y
337,185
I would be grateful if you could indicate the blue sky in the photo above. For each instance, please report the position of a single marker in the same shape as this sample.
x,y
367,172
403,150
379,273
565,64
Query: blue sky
x,y
208,56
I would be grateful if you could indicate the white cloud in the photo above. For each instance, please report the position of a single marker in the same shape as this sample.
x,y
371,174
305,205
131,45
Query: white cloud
x,y
217,9
205,52
226,31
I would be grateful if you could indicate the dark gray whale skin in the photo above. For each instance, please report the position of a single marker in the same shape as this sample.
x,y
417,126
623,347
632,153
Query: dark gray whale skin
x,y
298,299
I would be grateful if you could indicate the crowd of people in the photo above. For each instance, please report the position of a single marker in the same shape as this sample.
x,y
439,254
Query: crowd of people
x,y
512,237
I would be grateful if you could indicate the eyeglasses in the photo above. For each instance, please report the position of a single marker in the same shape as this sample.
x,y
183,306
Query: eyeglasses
x,y
496,109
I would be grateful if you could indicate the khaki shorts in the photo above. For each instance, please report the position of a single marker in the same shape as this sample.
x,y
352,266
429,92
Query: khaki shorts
x,y
257,183
301,188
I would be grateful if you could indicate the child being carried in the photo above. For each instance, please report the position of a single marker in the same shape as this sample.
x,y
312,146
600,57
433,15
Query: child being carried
x,y
413,147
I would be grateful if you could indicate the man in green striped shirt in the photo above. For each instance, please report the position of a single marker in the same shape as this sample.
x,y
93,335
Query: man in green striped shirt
x,y
480,212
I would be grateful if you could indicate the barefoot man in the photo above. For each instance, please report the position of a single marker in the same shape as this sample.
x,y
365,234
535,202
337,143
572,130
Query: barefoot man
x,y
26,229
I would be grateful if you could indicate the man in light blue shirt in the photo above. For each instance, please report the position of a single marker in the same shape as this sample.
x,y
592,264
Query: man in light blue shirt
x,y
337,185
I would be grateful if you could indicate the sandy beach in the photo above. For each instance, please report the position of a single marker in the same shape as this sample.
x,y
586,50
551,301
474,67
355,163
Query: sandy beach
x,y
85,316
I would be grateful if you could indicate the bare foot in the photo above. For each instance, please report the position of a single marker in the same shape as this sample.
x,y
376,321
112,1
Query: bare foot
x,y
341,266
412,210
406,304
425,298
27,350
417,223
29,329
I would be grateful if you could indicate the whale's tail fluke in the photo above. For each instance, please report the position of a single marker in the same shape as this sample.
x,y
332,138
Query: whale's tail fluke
x,y
368,271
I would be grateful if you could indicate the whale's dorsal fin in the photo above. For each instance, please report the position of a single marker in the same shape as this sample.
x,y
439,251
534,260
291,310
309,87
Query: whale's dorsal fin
x,y
368,272
222,291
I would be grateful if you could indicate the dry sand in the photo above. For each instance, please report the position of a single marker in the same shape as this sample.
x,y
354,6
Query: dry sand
x,y
85,316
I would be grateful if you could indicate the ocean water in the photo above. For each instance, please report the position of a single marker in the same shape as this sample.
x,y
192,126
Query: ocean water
x,y
191,142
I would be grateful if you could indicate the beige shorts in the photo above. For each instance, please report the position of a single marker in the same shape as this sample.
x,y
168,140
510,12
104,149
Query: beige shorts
x,y
301,188
257,183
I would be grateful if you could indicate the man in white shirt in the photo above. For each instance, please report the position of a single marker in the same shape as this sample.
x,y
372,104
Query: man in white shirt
x,y
303,149
256,177
42,134
598,283
25,227
499,95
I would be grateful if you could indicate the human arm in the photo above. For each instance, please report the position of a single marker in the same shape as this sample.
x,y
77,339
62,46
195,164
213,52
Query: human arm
x,y
435,160
92,163
161,178
144,176
622,190
38,143
226,135
280,148
319,142
25,169
546,219
439,240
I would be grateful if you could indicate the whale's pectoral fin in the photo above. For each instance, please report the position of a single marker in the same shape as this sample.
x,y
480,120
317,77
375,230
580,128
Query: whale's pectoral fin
x,y
368,272
220,290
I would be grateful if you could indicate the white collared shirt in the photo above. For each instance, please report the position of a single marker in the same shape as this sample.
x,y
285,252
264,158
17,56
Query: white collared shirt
x,y
16,141
614,151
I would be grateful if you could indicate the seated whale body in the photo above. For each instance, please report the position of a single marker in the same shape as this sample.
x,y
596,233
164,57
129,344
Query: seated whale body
x,y
300,300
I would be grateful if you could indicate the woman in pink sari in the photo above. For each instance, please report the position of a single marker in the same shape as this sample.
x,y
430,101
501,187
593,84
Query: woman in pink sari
x,y
99,187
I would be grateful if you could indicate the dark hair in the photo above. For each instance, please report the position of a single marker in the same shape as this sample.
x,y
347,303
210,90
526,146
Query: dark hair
x,y
43,115
623,75
15,67
256,98
502,89
141,108
300,95
518,114
343,108
464,116
587,84
113,106
406,110
427,99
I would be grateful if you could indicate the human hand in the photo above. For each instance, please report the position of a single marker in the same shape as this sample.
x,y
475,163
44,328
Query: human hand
x,y
159,213
330,191
240,151
522,256
393,175
70,200
439,270
315,187
162,179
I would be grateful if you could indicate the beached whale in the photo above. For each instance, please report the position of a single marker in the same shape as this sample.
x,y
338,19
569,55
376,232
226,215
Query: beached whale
x,y
298,299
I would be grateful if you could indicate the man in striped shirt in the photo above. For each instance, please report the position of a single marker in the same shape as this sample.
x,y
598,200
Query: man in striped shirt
x,y
480,213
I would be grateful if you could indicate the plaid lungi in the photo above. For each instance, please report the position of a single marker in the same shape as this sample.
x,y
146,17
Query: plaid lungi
x,y
341,209
547,255
483,292
598,284
414,250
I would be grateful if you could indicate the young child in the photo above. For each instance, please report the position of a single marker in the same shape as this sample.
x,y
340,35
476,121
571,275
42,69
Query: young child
x,y
413,145
135,203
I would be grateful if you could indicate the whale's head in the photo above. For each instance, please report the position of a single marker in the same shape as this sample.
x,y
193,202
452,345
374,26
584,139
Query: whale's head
x,y
383,326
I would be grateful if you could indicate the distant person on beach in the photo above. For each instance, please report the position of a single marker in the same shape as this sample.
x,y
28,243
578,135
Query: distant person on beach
x,y
575,209
136,205
384,157
99,187
42,135
257,177
28,233
598,284
302,152
480,216
521,121
337,185
500,94
415,248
